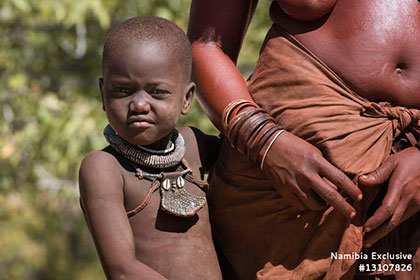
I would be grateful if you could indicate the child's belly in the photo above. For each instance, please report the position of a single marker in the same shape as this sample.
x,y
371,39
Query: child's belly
x,y
177,248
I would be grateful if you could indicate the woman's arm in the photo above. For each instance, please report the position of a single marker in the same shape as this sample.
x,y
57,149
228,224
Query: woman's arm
x,y
101,196
297,169
216,29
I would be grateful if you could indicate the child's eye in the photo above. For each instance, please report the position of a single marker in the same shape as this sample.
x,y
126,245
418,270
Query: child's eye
x,y
122,91
159,92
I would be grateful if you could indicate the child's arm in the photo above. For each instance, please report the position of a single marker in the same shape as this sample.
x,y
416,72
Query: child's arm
x,y
101,190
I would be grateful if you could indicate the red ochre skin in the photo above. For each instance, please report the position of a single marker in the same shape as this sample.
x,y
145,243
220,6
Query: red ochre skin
x,y
373,45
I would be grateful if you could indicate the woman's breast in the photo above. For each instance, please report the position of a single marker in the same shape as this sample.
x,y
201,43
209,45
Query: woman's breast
x,y
373,45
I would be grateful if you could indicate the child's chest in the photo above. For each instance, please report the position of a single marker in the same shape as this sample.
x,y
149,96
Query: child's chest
x,y
149,201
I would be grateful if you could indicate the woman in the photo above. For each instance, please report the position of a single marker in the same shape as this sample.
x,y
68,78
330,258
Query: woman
x,y
326,68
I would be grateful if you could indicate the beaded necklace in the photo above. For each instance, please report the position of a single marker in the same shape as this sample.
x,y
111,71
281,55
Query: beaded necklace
x,y
175,200
147,157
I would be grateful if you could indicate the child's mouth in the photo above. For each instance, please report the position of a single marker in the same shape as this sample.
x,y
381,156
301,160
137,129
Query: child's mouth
x,y
140,124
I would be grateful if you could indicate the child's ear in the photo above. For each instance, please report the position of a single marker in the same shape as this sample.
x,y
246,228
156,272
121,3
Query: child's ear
x,y
101,85
188,96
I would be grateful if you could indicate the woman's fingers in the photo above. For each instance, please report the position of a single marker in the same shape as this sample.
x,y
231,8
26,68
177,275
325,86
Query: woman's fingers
x,y
329,193
309,198
405,210
340,180
293,200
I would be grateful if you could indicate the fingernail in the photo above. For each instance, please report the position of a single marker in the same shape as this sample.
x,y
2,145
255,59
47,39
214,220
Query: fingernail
x,y
367,245
359,197
367,229
352,214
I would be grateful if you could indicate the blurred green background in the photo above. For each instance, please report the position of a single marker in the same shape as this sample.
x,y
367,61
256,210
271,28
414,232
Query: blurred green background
x,y
51,116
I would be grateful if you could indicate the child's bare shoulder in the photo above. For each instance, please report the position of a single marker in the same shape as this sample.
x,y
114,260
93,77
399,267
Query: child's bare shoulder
x,y
99,172
99,162
99,156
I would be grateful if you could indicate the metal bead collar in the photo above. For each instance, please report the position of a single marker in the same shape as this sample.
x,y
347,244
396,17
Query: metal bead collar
x,y
147,157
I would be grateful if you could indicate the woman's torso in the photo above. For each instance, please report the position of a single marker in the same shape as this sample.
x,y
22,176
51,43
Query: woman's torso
x,y
373,45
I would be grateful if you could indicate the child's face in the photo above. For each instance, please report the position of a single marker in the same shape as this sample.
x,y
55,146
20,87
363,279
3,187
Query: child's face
x,y
144,90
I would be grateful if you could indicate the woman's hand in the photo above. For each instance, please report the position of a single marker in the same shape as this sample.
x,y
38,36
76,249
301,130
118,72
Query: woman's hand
x,y
307,180
402,199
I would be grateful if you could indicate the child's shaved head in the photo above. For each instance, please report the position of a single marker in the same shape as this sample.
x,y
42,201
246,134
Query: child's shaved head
x,y
145,29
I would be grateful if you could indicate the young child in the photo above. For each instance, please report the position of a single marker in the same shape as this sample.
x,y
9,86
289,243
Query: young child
x,y
143,195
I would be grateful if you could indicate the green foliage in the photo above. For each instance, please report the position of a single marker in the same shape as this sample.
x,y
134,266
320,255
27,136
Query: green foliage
x,y
51,116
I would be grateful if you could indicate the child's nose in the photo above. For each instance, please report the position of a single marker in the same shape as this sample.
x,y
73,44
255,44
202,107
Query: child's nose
x,y
139,103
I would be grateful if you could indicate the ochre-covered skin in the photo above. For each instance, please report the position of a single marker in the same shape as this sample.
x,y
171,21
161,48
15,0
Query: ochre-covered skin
x,y
372,44
306,10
